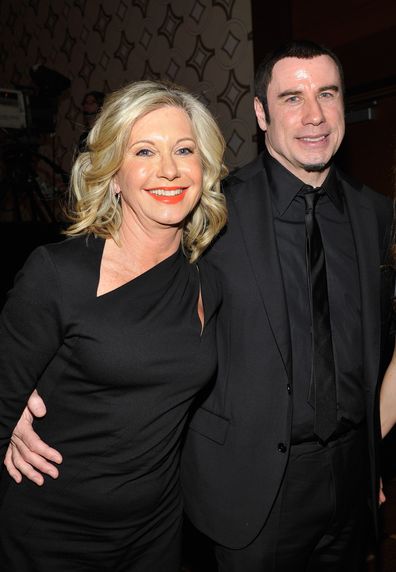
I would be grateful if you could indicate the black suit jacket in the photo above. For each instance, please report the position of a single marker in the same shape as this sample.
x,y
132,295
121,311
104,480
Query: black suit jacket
x,y
238,441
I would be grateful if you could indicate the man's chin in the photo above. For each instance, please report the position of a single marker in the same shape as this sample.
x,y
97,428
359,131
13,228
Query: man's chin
x,y
315,167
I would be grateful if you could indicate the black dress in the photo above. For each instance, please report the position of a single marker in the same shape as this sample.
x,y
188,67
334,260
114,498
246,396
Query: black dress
x,y
118,373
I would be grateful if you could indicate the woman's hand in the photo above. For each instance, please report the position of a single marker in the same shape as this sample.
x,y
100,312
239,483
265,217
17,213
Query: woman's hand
x,y
27,455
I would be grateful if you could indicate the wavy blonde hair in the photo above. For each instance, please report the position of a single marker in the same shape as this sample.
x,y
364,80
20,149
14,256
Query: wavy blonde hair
x,y
95,208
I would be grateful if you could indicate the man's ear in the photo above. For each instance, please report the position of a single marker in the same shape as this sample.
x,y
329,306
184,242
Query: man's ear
x,y
260,114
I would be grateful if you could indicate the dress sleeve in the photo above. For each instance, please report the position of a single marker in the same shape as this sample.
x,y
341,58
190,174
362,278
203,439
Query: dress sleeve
x,y
30,334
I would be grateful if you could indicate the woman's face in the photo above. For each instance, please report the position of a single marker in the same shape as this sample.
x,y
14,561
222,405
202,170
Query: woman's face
x,y
160,179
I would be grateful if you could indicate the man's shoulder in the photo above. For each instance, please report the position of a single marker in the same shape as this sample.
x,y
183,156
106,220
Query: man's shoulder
x,y
352,186
245,173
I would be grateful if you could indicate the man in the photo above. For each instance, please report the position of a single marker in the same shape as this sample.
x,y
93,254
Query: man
x,y
277,479
257,477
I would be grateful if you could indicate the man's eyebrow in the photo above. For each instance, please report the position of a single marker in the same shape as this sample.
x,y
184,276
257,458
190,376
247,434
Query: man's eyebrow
x,y
291,92
332,87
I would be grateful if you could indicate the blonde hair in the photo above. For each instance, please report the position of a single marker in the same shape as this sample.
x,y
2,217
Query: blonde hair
x,y
96,210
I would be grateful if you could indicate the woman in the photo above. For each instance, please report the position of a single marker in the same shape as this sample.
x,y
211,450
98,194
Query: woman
x,y
115,328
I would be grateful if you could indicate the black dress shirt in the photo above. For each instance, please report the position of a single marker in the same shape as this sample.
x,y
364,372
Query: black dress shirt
x,y
344,295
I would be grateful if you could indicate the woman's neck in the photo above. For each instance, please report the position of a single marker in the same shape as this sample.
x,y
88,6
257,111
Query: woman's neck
x,y
148,248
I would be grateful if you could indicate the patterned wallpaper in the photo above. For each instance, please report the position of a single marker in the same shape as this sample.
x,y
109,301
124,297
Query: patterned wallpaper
x,y
205,45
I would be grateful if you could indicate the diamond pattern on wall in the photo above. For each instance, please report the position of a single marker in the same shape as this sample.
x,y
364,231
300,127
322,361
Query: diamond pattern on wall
x,y
235,142
81,5
51,22
227,5
200,57
86,70
104,61
145,38
124,50
230,45
149,73
102,23
68,44
172,70
233,93
170,25
122,10
197,11
142,4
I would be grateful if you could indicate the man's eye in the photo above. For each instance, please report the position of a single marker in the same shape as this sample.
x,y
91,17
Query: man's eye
x,y
293,99
327,95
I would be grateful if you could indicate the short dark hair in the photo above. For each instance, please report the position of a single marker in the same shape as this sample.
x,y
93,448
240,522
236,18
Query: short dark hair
x,y
302,49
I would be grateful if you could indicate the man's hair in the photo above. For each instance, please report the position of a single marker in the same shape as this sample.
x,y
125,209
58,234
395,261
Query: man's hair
x,y
302,49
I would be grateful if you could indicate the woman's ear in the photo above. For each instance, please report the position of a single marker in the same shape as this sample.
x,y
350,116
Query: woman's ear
x,y
114,186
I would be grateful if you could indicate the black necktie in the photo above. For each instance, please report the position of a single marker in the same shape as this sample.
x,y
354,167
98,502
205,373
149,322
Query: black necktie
x,y
323,373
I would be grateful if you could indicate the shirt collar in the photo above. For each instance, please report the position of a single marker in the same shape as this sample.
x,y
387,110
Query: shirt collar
x,y
285,186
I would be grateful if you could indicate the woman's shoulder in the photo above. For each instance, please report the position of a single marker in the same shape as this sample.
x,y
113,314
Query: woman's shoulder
x,y
61,264
70,247
77,253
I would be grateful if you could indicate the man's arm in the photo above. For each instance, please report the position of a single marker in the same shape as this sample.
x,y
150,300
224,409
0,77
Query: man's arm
x,y
27,455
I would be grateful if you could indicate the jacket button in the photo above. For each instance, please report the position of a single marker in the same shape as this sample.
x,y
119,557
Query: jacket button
x,y
289,389
282,448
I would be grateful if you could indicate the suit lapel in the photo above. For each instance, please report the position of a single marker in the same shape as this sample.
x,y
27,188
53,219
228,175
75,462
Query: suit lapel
x,y
365,232
254,213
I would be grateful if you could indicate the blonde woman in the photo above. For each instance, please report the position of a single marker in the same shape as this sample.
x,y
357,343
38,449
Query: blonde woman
x,y
115,329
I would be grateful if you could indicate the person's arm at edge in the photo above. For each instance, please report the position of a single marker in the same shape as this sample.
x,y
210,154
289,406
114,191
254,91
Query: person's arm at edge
x,y
388,397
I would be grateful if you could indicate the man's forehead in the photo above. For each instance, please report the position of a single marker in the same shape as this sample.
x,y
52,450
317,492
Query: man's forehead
x,y
289,71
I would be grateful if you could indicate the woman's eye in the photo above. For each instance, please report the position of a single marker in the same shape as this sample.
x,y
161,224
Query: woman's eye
x,y
144,153
185,151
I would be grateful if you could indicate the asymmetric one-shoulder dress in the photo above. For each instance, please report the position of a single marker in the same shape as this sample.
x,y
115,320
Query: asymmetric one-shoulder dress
x,y
118,373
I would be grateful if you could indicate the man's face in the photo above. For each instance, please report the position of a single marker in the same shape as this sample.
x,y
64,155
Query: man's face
x,y
306,112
